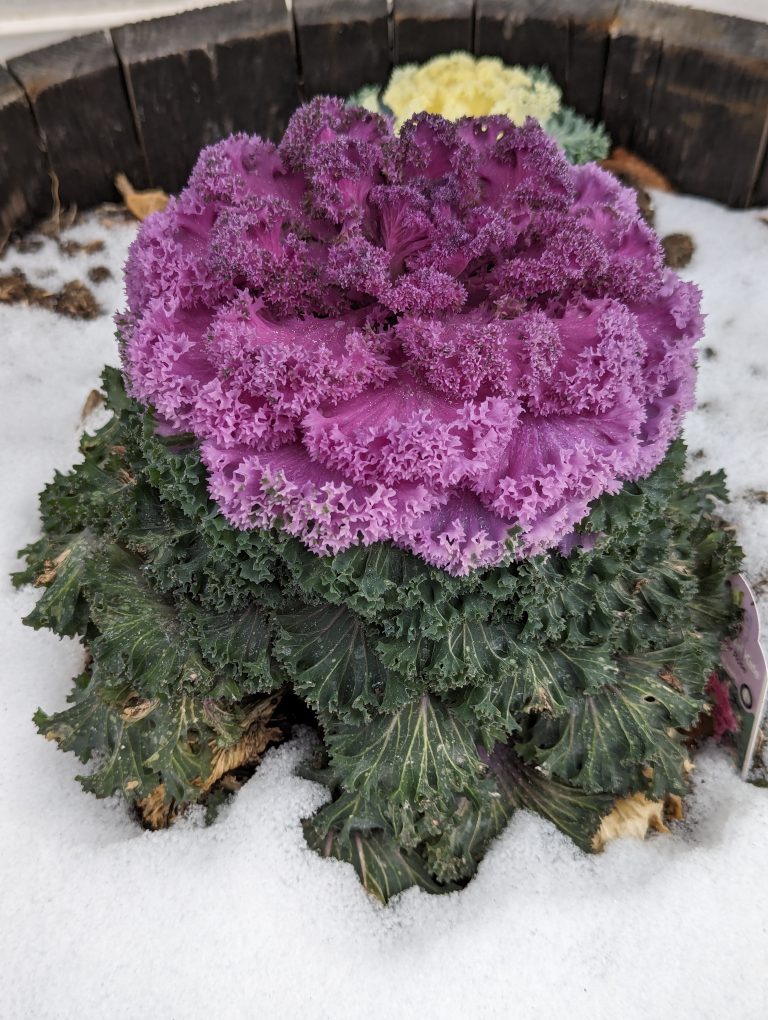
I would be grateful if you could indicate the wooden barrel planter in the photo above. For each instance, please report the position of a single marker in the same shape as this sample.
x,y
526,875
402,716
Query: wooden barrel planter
x,y
685,89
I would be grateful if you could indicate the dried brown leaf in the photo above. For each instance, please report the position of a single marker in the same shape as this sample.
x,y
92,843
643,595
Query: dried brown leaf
x,y
672,681
94,399
637,170
673,807
249,750
77,301
678,250
140,203
155,811
98,274
631,817
71,247
139,708
51,566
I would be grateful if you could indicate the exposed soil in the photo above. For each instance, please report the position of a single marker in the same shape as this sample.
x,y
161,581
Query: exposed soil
x,y
98,274
74,299
72,247
678,250
28,245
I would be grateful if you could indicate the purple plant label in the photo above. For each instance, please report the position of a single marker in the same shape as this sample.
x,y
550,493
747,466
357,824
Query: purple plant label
x,y
744,661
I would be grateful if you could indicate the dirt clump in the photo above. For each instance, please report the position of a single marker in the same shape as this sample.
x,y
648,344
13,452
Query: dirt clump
x,y
678,250
71,247
74,299
98,274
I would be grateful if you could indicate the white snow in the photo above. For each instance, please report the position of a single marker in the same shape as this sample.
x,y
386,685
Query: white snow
x,y
240,920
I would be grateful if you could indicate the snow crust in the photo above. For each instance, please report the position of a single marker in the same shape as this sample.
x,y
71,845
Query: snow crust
x,y
98,918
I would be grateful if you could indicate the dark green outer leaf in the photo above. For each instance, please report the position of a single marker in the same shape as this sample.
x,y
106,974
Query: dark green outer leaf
x,y
136,750
414,762
240,640
384,868
63,607
332,662
576,813
621,740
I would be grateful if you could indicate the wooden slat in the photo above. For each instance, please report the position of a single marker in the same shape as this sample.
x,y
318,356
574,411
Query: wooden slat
x,y
570,37
196,77
587,55
343,44
426,28
759,195
76,91
688,90
25,187
527,32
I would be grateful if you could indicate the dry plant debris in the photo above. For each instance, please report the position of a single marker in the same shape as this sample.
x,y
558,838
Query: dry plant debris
x,y
678,250
71,247
140,203
74,299
98,274
228,763
640,175
628,166
631,816
94,399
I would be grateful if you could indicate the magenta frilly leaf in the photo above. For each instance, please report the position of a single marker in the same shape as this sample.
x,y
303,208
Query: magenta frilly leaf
x,y
450,339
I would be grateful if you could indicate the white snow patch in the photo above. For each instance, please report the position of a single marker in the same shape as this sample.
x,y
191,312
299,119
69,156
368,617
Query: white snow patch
x,y
241,920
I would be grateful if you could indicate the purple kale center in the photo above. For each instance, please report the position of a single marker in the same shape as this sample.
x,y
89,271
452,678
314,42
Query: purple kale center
x,y
450,339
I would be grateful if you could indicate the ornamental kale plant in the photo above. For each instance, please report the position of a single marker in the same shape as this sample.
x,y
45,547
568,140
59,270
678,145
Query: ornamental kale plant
x,y
396,453
449,339
458,85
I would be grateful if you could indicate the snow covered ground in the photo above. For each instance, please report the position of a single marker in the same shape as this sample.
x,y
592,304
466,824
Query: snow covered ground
x,y
100,919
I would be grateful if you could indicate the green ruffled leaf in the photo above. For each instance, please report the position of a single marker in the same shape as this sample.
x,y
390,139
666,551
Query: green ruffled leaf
x,y
638,501
455,854
622,740
581,140
240,640
545,680
576,813
383,867
63,607
415,762
459,849
137,743
332,662
473,652
142,637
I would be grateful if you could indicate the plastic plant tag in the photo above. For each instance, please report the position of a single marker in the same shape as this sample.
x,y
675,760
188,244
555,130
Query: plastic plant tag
x,y
744,661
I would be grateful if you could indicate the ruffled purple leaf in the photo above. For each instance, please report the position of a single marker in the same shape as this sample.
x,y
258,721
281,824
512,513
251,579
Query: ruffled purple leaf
x,y
450,339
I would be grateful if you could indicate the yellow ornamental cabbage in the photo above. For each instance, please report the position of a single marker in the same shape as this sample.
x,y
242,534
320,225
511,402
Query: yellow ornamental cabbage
x,y
460,85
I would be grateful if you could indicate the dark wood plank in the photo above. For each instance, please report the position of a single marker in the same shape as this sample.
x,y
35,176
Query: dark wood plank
x,y
25,186
590,27
426,28
196,77
630,72
688,90
759,194
526,32
76,91
342,44
570,37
